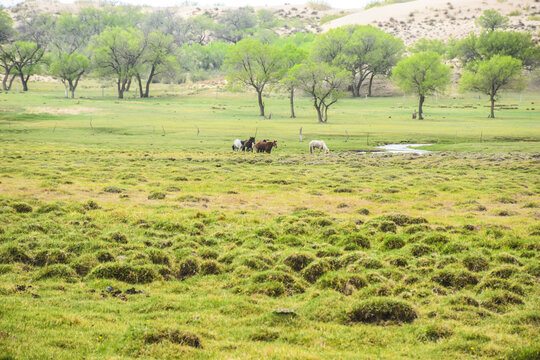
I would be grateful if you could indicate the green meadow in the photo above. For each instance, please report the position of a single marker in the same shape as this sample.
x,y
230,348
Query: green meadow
x,y
125,234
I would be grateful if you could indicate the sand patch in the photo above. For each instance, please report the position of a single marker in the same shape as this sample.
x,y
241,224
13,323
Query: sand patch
x,y
61,111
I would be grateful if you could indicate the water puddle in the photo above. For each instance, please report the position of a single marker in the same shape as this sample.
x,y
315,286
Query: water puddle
x,y
404,148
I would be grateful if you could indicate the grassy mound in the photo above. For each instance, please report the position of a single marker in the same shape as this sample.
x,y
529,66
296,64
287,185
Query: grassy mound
x,y
379,310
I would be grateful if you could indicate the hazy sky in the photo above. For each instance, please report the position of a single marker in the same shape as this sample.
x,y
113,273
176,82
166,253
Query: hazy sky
x,y
345,4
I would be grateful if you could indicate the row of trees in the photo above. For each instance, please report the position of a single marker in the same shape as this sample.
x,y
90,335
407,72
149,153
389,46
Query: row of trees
x,y
134,49
344,58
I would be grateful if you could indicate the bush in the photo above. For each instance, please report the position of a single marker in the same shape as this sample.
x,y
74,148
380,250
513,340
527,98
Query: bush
x,y
11,253
392,242
174,336
60,271
22,208
298,261
211,267
475,263
125,272
378,310
187,268
454,279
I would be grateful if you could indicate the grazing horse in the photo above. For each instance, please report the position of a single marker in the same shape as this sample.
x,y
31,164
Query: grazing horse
x,y
265,146
237,145
247,145
318,144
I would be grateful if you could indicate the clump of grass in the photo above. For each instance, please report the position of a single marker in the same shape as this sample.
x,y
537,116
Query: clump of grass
x,y
355,241
418,250
113,189
413,229
84,264
387,226
504,272
104,256
264,334
454,279
399,261
315,270
58,271
402,219
379,310
157,195
175,336
434,332
117,237
436,239
500,300
269,278
475,263
49,257
11,253
22,208
298,261
188,267
125,272
531,352
211,267
343,283
50,207
392,242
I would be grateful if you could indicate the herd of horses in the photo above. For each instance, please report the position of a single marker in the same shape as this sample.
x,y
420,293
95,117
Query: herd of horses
x,y
266,146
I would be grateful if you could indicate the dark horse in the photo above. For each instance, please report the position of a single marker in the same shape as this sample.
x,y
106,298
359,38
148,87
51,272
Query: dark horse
x,y
265,146
247,145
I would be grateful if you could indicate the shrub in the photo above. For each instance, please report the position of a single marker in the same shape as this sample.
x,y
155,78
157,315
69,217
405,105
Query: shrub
x,y
378,310
174,336
434,332
315,270
125,272
298,261
187,268
60,271
211,267
22,208
475,263
455,279
49,257
11,253
392,242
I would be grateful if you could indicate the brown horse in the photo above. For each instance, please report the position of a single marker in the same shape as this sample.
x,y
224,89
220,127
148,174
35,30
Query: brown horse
x,y
265,146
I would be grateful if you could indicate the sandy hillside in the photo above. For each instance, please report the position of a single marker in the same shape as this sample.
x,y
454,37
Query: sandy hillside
x,y
441,19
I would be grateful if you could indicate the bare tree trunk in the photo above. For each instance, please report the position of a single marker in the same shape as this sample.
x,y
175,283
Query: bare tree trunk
x,y
325,113
370,84
319,111
11,81
24,81
261,104
65,89
4,81
120,89
292,103
492,114
356,89
420,112
128,86
149,81
141,93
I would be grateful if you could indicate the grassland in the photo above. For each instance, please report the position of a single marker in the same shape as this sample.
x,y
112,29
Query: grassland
x,y
378,256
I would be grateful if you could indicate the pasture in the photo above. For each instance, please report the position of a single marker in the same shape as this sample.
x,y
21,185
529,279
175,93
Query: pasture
x,y
123,234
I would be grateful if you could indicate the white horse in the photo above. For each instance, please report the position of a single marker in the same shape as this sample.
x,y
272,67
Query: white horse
x,y
318,144
237,145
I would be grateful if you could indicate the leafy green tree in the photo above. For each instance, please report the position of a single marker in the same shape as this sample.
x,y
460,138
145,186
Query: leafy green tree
x,y
69,68
254,64
118,52
6,27
323,82
158,58
505,43
422,74
493,75
388,51
234,25
434,45
291,56
27,58
491,20
36,27
71,34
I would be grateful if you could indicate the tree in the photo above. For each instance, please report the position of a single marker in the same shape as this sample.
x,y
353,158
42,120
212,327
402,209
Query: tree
x,y
254,64
422,74
388,51
291,55
323,82
158,58
27,57
493,75
491,20
71,34
234,25
38,28
7,62
118,52
69,68
423,45
6,27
